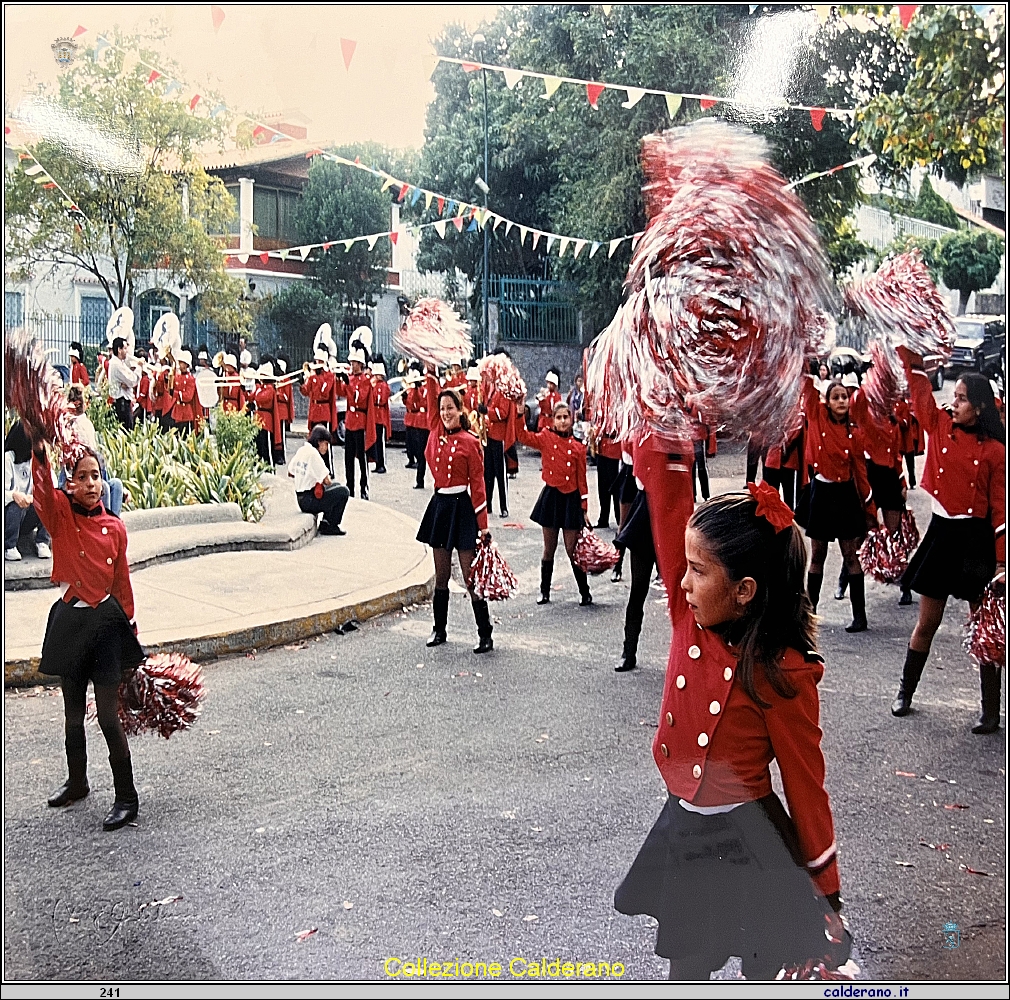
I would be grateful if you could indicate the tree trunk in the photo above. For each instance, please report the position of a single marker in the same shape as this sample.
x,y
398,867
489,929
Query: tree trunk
x,y
962,301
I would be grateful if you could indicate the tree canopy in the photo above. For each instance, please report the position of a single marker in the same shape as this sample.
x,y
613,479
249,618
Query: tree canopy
x,y
970,261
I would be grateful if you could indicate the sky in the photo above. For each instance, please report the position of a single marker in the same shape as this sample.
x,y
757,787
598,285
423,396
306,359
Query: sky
x,y
267,58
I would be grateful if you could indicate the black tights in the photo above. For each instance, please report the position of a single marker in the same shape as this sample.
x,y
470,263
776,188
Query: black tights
x,y
107,703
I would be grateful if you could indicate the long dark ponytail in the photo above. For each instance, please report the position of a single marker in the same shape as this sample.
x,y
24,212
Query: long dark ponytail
x,y
980,395
780,615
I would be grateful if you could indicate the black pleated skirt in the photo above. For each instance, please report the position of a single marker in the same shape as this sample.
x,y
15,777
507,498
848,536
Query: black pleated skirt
x,y
729,884
89,644
886,486
636,533
555,509
449,523
625,489
831,510
956,558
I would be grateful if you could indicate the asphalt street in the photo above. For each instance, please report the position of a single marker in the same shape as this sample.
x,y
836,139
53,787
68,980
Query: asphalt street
x,y
410,802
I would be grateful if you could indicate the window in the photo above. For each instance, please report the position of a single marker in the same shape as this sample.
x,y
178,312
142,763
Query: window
x,y
14,309
287,206
234,227
95,314
274,214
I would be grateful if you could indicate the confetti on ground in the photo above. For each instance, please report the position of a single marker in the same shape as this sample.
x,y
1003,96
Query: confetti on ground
x,y
514,524
301,645
75,920
161,902
508,814
542,738
973,871
935,847
348,905
536,829
213,732
906,774
462,673
530,917
498,913
956,805
904,864
305,934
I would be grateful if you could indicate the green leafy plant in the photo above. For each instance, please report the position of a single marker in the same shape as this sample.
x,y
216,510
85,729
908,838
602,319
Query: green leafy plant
x,y
234,430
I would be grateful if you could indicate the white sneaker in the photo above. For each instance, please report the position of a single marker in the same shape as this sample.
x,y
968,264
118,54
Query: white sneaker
x,y
43,551
12,555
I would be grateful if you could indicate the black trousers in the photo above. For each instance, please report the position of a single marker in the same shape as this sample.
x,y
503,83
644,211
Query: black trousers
x,y
910,465
354,448
512,461
331,504
786,479
263,445
494,471
642,564
699,471
417,440
606,473
165,420
124,412
377,453
755,455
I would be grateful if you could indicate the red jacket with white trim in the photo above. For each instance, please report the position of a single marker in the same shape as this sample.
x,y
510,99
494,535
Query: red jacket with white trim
x,y
416,402
319,387
456,459
834,449
185,405
360,415
881,440
501,413
563,460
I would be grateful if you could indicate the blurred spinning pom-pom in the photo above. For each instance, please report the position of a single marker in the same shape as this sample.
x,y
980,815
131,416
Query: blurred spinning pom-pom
x,y
163,695
434,333
594,555
985,637
491,577
499,374
885,556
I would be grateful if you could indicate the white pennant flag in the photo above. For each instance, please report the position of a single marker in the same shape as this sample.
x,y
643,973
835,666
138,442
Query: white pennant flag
x,y
243,258
592,250
614,244
305,251
372,240
427,199
512,77
347,245
440,228
550,242
508,226
579,244
563,247
522,235
635,94
551,83
499,219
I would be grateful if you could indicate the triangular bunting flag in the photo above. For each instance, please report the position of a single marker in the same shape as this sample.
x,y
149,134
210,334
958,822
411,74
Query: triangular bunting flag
x,y
265,257
304,252
508,226
563,247
393,237
243,258
372,240
536,238
579,244
440,228
218,109
80,31
551,83
551,240
326,246
173,88
36,168
427,199
100,46
386,183
906,11
347,47
216,18
592,250
285,254
498,220
673,103
41,177
469,67
403,191
458,223
416,197
512,77
49,185
439,204
614,244
607,7
130,62
635,94
823,11
347,245
474,210
635,239
593,91
472,228
154,76
707,102
522,235
451,206
817,118
194,102
461,210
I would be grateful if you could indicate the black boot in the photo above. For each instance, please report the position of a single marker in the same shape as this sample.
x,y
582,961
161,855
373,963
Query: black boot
x,y
857,594
990,680
546,572
843,580
915,662
632,630
124,809
814,587
76,785
583,581
482,617
619,568
906,597
440,607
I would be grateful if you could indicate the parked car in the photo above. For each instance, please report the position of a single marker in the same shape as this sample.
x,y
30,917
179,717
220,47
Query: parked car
x,y
979,344
397,408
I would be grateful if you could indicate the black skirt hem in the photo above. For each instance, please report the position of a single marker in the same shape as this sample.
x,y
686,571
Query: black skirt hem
x,y
555,509
956,558
831,510
449,523
886,486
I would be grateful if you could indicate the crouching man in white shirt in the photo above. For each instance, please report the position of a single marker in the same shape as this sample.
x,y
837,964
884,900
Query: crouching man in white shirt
x,y
316,492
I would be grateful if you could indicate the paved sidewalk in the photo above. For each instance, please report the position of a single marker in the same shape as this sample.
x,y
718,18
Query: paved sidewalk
x,y
229,602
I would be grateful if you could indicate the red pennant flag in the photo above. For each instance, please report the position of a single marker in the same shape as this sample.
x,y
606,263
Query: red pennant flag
x,y
154,76
49,186
313,152
906,11
393,237
217,18
707,102
193,103
403,192
258,131
473,211
458,223
593,91
441,204
817,118
357,160
347,47
470,67
80,31
326,246
265,257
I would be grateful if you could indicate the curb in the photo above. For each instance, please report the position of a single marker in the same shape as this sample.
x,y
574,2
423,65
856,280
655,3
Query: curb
x,y
24,672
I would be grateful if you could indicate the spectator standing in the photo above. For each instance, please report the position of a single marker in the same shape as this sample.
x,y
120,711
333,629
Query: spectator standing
x,y
123,379
20,514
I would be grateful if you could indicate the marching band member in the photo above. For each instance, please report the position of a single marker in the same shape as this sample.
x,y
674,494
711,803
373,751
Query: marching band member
x,y
471,391
782,466
501,435
564,500
549,399
318,388
78,370
840,502
457,511
267,416
145,404
123,380
608,458
285,393
725,870
161,393
624,491
231,394
964,546
246,371
416,421
911,437
383,421
359,421
703,442
455,377
184,401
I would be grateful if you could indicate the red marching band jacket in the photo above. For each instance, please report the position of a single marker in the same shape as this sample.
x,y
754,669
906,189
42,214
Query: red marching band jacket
x,y
713,745
964,474
232,396
89,550
319,389
79,373
360,415
545,417
285,402
431,391
456,459
881,440
144,400
185,406
267,412
416,402
380,401
501,419
563,460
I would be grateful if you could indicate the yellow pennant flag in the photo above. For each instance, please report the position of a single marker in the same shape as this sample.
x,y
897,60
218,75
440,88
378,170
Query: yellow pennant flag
x,y
551,83
673,103
427,199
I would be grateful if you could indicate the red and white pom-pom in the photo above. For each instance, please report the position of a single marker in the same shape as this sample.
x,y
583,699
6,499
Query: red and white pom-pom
x,y
491,577
985,636
885,556
499,374
34,390
901,305
594,555
728,290
885,384
434,333
162,695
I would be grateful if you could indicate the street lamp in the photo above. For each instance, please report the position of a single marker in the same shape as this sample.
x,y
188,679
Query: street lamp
x,y
478,44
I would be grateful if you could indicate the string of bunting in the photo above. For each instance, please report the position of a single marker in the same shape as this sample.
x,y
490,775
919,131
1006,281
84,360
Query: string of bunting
x,y
39,175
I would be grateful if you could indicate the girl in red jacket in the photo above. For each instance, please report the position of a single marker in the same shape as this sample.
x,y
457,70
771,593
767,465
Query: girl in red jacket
x,y
90,635
564,500
725,870
964,545
456,513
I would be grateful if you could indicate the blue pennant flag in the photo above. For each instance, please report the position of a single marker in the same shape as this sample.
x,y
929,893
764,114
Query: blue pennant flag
x,y
473,225
417,195
450,207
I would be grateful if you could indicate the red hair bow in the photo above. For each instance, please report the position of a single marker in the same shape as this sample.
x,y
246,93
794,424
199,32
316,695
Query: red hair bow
x,y
771,506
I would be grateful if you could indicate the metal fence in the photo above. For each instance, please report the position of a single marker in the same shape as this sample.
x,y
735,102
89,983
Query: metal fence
x,y
59,332
532,309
